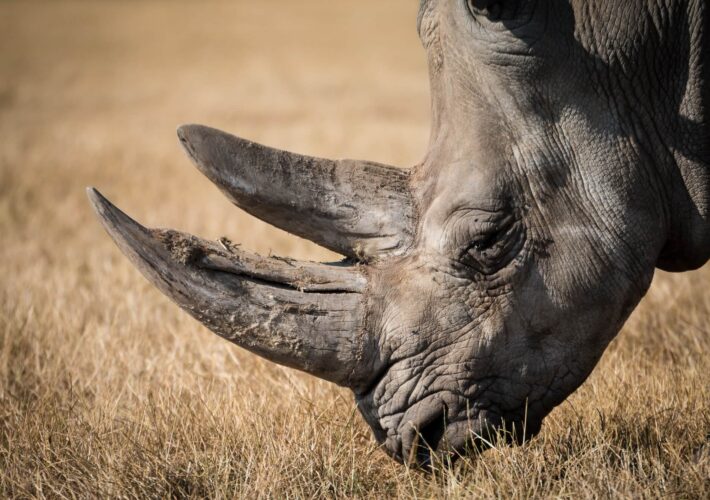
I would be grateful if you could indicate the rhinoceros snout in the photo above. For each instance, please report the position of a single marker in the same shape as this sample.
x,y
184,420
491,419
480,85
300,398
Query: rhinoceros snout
x,y
435,436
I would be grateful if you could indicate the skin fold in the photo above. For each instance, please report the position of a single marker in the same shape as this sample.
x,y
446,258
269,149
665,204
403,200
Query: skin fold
x,y
568,159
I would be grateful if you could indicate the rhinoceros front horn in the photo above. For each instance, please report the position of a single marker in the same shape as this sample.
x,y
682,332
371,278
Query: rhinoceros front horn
x,y
303,315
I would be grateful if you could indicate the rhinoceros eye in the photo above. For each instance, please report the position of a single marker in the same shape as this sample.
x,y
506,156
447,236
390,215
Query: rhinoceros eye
x,y
490,251
492,9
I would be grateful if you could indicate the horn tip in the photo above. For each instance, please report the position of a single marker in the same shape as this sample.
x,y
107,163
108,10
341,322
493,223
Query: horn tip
x,y
98,201
193,131
115,221
184,130
191,137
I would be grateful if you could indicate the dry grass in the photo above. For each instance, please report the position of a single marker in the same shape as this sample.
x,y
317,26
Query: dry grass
x,y
106,389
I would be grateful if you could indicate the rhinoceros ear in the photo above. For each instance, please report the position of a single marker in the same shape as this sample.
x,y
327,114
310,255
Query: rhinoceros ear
x,y
359,209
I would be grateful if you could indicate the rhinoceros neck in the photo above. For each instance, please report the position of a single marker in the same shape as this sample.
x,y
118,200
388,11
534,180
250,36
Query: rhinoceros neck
x,y
689,242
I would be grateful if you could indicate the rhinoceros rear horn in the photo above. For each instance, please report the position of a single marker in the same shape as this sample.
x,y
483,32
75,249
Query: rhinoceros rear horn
x,y
304,315
359,209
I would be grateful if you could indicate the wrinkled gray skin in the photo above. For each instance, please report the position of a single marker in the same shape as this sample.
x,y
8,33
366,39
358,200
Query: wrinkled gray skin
x,y
568,159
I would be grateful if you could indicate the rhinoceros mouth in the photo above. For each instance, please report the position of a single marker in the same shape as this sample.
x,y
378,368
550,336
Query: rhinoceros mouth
x,y
445,426
442,441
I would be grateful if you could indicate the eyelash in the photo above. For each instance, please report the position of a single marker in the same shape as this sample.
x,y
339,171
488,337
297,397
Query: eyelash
x,y
483,244
489,8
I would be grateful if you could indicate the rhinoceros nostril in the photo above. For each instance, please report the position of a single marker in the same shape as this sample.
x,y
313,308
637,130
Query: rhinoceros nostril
x,y
429,436
424,437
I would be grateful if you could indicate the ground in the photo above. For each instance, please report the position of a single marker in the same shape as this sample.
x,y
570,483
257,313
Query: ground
x,y
107,389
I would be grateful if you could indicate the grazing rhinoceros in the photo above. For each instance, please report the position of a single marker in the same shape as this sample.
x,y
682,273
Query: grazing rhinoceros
x,y
568,159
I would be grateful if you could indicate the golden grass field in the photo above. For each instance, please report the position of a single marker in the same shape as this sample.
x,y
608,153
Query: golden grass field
x,y
107,389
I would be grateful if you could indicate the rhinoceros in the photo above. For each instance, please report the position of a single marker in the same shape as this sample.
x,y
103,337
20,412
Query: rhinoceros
x,y
568,159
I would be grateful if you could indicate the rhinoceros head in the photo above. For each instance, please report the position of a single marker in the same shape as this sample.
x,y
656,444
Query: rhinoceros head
x,y
567,161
